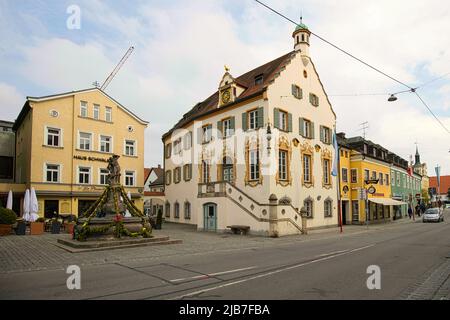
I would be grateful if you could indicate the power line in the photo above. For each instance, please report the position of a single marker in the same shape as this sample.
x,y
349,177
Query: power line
x,y
432,113
336,47
433,80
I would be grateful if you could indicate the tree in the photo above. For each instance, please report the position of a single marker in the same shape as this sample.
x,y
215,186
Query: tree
x,y
425,196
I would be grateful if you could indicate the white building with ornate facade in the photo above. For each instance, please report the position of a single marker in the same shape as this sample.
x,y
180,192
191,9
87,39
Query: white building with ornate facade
x,y
256,151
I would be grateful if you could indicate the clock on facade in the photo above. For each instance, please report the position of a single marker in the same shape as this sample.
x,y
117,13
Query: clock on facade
x,y
226,96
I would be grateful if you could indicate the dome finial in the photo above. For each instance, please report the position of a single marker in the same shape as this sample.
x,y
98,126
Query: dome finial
x,y
301,16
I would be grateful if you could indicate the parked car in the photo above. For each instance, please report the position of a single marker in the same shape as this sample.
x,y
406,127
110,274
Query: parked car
x,y
447,206
433,215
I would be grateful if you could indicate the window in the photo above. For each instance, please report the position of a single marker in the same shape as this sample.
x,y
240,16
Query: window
x,y
366,175
206,133
326,171
354,175
380,177
297,92
282,165
393,179
130,178
168,177
306,128
374,152
344,175
83,109
314,100
167,213
325,134
105,144
253,119
84,175
227,128
108,114
85,141
52,173
168,150
176,210
374,175
96,111
130,147
386,179
404,181
103,176
254,164
187,210
346,154
355,210
307,168
259,79
187,172
177,175
53,137
283,120
398,179
177,146
328,208
308,203
205,172
187,141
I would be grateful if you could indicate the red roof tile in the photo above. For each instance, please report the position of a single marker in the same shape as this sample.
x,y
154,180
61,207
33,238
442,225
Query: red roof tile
x,y
445,183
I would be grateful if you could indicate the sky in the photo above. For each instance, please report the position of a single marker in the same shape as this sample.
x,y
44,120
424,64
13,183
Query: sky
x,y
181,47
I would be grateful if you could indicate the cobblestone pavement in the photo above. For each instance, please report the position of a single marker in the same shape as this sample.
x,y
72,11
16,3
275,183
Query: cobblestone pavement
x,y
434,285
33,253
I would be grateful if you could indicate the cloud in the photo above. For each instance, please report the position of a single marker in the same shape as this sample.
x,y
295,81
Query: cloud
x,y
11,101
181,47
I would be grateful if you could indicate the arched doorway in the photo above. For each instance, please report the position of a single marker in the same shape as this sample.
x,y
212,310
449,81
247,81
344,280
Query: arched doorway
x,y
227,170
210,217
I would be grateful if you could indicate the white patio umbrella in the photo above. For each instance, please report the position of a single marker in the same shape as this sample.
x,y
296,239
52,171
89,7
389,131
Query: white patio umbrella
x,y
26,206
127,213
34,205
9,202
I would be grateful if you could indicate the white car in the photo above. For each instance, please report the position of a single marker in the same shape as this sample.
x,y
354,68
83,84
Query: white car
x,y
433,215
447,206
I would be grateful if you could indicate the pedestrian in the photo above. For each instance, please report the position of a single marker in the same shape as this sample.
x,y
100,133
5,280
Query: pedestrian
x,y
409,212
422,208
417,209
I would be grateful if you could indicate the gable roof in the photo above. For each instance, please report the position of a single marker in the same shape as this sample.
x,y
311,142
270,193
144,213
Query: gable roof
x,y
27,107
159,174
445,183
247,80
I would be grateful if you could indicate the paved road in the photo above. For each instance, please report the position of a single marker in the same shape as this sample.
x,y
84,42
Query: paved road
x,y
414,259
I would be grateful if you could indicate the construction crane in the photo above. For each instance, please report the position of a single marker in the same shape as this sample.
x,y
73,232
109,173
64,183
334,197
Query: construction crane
x,y
116,69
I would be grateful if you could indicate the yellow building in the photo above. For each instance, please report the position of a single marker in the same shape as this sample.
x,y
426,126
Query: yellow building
x,y
63,142
362,161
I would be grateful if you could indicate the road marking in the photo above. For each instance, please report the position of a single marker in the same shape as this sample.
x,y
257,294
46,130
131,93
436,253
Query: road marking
x,y
205,276
270,273
330,253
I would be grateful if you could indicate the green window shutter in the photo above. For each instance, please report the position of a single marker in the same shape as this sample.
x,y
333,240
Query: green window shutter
x,y
200,135
294,91
289,124
190,171
244,121
260,118
312,130
301,126
276,118
301,94
232,125
310,98
321,133
219,128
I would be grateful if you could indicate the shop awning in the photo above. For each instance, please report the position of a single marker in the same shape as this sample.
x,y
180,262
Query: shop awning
x,y
387,201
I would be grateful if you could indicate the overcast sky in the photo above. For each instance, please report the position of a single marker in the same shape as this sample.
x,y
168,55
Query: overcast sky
x,y
181,47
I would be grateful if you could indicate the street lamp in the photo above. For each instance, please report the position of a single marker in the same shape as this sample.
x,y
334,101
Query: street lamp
x,y
392,98
268,137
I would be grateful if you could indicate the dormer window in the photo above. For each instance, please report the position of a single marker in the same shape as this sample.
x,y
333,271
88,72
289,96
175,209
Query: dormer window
x,y
259,80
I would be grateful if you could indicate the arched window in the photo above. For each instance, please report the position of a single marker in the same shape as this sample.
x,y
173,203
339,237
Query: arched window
x,y
176,210
328,207
303,38
309,207
187,210
167,209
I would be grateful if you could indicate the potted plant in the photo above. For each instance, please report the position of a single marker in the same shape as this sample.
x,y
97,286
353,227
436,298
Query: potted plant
x,y
37,227
7,219
71,224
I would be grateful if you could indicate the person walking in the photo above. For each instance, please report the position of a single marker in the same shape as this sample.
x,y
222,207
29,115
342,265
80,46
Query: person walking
x,y
409,212
417,210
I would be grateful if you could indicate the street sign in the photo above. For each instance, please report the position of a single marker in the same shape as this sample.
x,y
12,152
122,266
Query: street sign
x,y
362,194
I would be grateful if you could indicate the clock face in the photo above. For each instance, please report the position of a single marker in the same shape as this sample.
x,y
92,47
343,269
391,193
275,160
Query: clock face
x,y
226,96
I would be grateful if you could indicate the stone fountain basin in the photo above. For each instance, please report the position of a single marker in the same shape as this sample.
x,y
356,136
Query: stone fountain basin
x,y
133,224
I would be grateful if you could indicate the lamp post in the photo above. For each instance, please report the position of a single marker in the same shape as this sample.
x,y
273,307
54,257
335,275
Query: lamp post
x,y
268,137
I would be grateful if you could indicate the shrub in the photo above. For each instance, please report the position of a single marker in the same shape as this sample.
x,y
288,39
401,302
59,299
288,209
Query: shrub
x,y
7,216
